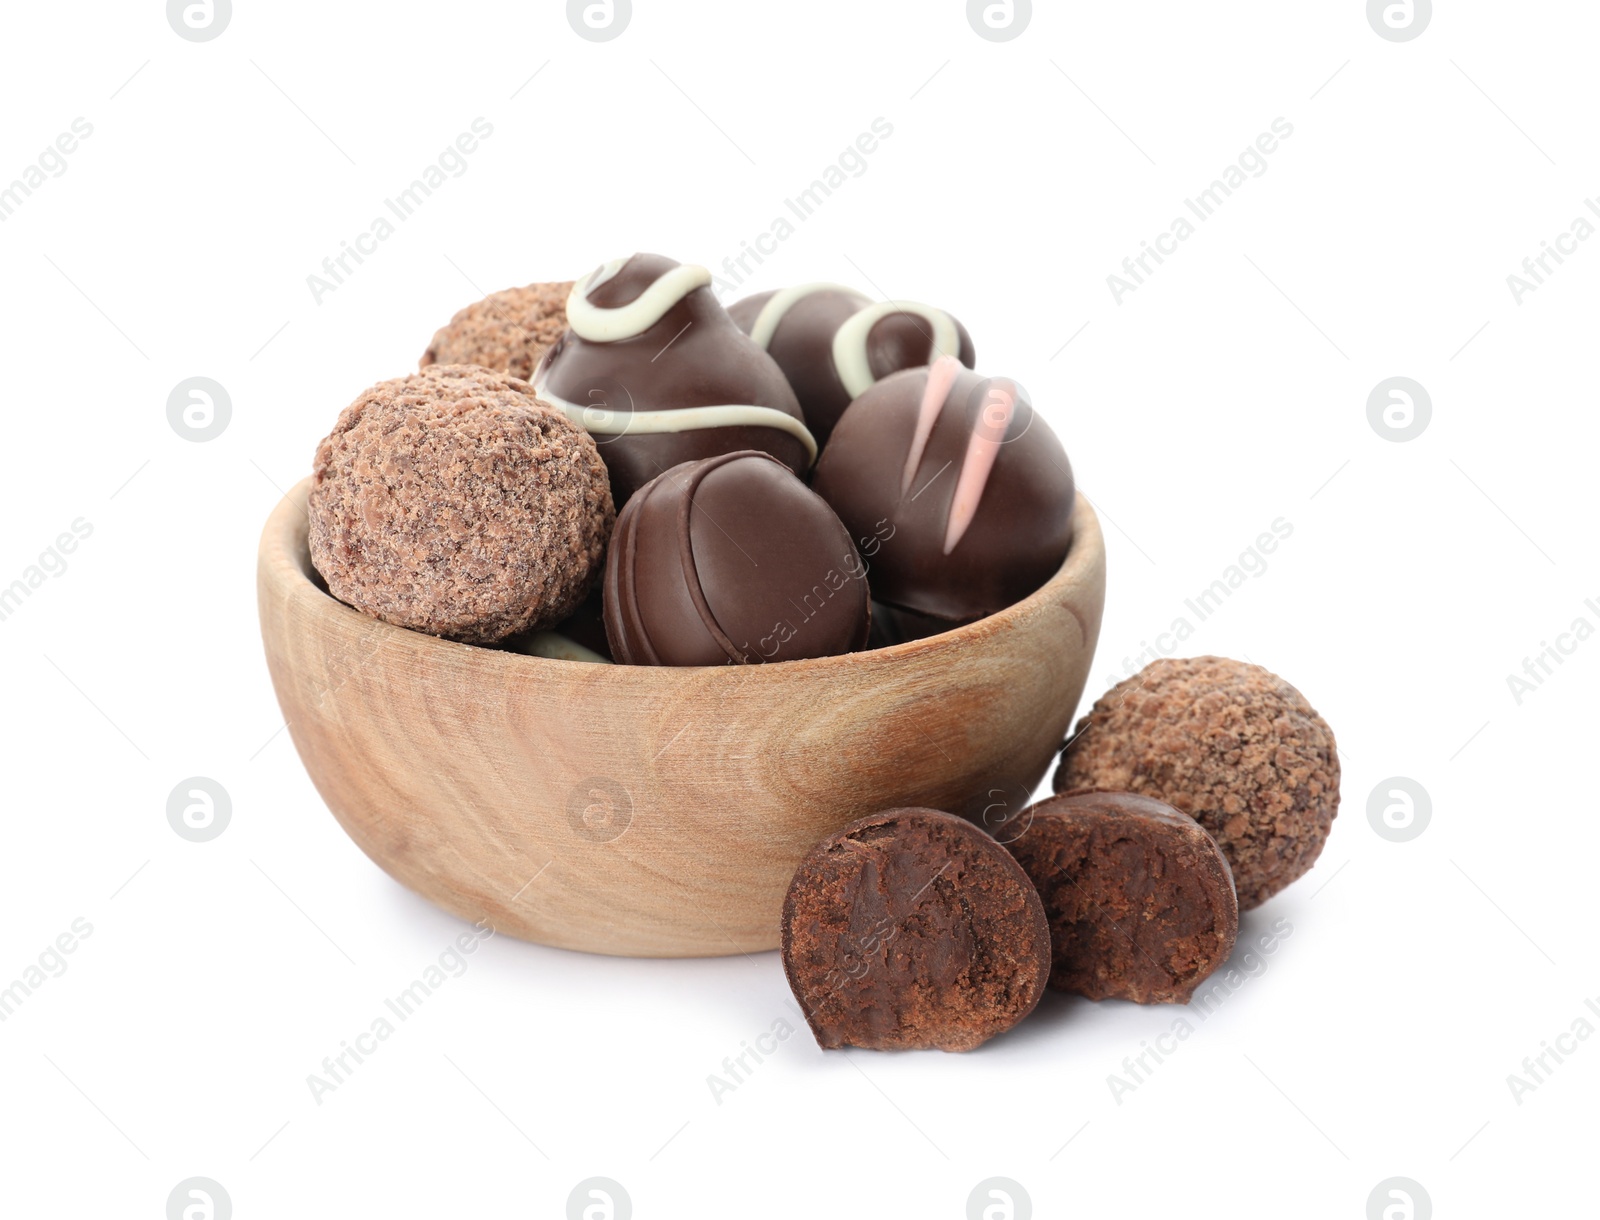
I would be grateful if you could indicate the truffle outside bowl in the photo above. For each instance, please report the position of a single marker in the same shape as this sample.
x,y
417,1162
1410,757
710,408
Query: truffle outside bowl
x,y
650,811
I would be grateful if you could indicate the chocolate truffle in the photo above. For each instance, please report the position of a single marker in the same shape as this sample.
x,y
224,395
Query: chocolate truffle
x,y
1139,898
657,371
507,332
732,560
1230,744
911,930
832,343
451,502
959,496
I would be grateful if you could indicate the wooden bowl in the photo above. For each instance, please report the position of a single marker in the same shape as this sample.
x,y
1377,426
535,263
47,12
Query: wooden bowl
x,y
645,810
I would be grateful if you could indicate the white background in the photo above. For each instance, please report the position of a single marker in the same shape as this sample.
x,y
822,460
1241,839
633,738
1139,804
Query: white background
x,y
1228,391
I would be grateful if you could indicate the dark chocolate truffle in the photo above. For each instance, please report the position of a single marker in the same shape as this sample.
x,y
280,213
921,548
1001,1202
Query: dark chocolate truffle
x,y
913,929
657,371
1230,744
1139,898
507,332
832,343
957,493
732,560
451,502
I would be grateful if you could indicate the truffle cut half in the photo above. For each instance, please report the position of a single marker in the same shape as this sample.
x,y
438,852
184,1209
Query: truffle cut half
x,y
1139,898
913,929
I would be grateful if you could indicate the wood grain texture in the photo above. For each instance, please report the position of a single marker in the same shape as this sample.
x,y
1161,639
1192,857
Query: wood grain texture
x,y
652,811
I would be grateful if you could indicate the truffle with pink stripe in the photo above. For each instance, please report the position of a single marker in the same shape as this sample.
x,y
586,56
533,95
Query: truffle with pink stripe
x,y
962,493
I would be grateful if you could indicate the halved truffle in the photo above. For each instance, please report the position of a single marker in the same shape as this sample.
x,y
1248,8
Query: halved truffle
x,y
913,929
1139,898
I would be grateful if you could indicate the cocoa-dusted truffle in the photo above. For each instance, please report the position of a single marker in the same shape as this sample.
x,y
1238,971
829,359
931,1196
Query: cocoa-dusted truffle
x,y
1230,744
507,332
452,502
913,929
832,342
1139,898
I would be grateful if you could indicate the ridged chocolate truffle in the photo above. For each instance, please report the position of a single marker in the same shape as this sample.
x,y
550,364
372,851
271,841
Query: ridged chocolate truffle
x,y
1230,744
732,560
653,366
506,332
958,494
913,929
1139,898
832,343
451,502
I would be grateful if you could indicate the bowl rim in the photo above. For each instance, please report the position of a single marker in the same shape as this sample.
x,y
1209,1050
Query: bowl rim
x,y
284,561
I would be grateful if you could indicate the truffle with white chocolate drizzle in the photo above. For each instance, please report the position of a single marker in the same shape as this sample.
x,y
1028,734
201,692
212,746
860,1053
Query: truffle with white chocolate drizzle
x,y
656,371
832,343
958,495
